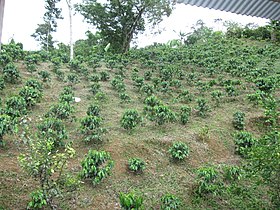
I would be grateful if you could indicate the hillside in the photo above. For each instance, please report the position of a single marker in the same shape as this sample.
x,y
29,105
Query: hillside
x,y
214,79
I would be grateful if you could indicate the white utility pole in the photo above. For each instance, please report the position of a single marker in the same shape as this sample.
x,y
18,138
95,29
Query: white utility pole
x,y
69,3
2,5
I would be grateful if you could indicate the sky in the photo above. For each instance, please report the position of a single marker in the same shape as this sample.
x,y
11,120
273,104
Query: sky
x,y
21,19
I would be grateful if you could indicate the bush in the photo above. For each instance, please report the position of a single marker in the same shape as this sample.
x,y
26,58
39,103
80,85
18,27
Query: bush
x,y
15,107
11,73
202,107
5,126
185,96
38,200
217,96
238,120
73,79
104,76
130,119
91,128
147,89
95,88
93,110
185,113
163,115
179,150
53,130
96,166
30,95
131,201
232,173
169,202
2,83
136,165
60,111
45,75
243,142
34,84
207,179
125,98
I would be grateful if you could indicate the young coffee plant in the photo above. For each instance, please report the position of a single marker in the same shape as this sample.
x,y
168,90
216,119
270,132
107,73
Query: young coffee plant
x,y
73,79
202,107
232,173
208,181
46,165
104,76
149,106
136,165
138,83
2,83
94,78
45,75
96,166
125,98
217,96
243,142
30,95
91,128
5,127
93,110
238,120
31,67
38,200
15,107
147,89
130,119
185,113
61,111
131,201
147,75
53,130
34,84
179,150
11,73
163,114
95,88
185,96
170,202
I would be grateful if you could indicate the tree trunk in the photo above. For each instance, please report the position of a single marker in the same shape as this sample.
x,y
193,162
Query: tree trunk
x,y
71,29
2,6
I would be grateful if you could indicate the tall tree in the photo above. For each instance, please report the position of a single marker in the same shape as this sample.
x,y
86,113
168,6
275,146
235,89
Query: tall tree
x,y
120,21
2,6
43,32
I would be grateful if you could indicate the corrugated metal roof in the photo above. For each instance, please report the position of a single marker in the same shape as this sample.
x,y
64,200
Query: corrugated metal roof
x,y
269,9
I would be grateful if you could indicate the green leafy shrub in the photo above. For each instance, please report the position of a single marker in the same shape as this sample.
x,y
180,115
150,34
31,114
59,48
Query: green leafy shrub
x,y
95,88
179,151
125,98
118,84
202,107
217,96
149,108
232,173
2,83
5,126
94,78
38,200
266,85
163,115
34,84
73,79
104,76
136,165
45,75
138,82
93,110
185,113
130,119
207,180
239,120
32,59
147,75
170,202
96,166
53,130
11,73
5,58
31,67
147,89
185,96
30,95
60,111
131,201
231,90
15,107
91,128
243,142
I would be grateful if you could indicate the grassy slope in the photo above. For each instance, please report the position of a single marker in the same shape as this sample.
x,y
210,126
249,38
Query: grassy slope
x,y
150,142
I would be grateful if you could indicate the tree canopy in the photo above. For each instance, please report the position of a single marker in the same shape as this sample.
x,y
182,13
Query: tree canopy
x,y
120,21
